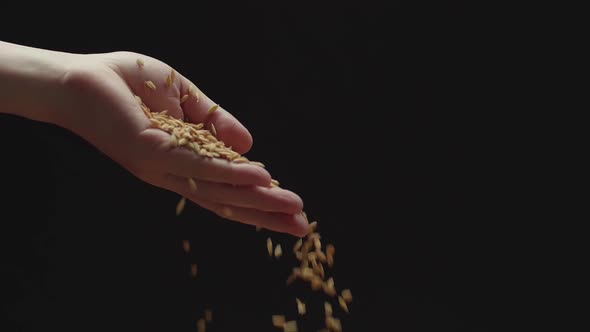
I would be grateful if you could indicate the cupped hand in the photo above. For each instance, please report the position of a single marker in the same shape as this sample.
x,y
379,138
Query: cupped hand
x,y
103,110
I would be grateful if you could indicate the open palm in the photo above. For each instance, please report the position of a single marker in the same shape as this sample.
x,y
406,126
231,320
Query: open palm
x,y
106,113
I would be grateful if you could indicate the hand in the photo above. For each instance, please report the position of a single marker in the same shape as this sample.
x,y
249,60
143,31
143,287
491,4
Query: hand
x,y
103,110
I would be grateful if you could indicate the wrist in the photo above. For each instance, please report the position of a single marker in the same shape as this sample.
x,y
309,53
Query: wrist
x,y
31,82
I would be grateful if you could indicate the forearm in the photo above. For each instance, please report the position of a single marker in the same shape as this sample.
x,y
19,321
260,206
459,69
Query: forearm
x,y
30,81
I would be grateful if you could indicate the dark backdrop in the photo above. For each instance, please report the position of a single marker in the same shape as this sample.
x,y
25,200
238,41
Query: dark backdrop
x,y
365,111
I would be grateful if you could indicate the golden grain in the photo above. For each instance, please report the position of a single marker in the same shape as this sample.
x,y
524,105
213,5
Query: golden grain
x,y
208,315
312,227
180,206
194,270
333,324
213,109
278,321
278,251
201,325
274,183
192,184
269,246
300,307
290,326
150,85
140,62
346,295
183,99
342,303
213,130
328,309
298,245
186,245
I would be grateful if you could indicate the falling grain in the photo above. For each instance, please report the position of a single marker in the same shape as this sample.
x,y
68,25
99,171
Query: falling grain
x,y
278,321
269,246
333,324
346,295
290,326
298,245
328,309
274,183
140,62
201,325
186,246
208,315
300,307
213,130
194,270
278,251
183,99
342,304
180,206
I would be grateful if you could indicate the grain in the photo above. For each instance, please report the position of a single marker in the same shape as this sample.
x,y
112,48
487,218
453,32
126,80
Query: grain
x,y
346,295
278,321
168,81
140,62
194,270
342,303
308,251
269,246
180,206
192,184
298,245
333,324
208,315
290,326
312,227
201,325
150,85
300,307
172,75
186,246
328,309
213,109
183,99
278,251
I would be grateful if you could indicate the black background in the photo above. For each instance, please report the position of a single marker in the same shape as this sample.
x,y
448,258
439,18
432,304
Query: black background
x,y
367,112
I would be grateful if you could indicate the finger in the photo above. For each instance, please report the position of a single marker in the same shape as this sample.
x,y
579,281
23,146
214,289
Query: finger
x,y
197,107
166,158
253,197
294,224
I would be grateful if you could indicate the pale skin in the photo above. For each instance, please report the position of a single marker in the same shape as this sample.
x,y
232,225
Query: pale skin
x,y
93,96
